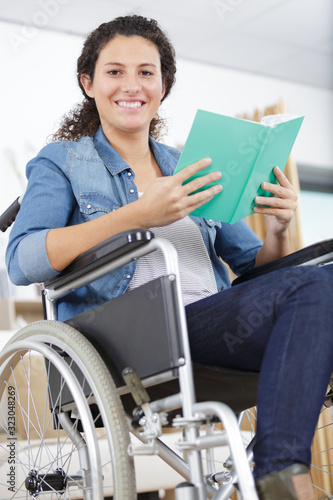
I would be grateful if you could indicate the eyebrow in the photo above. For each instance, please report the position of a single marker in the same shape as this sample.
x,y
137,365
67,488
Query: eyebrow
x,y
122,65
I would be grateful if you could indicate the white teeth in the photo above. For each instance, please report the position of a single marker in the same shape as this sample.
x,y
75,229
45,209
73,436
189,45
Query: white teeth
x,y
132,104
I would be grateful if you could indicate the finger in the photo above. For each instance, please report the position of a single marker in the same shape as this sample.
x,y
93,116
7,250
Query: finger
x,y
280,191
191,170
201,182
282,179
196,200
282,203
285,215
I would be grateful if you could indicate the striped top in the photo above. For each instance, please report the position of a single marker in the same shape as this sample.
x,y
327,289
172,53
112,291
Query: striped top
x,y
195,268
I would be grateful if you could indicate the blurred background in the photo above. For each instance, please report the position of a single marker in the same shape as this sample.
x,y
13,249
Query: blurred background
x,y
235,57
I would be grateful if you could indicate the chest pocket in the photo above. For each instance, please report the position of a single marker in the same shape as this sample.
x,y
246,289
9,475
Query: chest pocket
x,y
95,205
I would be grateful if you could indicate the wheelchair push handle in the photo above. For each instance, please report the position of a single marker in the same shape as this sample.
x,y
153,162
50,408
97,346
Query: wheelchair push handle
x,y
9,215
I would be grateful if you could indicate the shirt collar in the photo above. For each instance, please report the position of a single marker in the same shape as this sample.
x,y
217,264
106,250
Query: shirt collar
x,y
115,163
112,160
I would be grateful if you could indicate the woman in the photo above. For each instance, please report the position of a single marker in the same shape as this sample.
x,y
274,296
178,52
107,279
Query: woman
x,y
106,174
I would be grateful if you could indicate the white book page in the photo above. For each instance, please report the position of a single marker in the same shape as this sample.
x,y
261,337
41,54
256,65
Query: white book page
x,y
272,120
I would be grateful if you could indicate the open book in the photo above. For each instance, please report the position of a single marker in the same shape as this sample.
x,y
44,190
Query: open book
x,y
245,152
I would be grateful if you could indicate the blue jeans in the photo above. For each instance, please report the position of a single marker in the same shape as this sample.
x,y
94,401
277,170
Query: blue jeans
x,y
280,324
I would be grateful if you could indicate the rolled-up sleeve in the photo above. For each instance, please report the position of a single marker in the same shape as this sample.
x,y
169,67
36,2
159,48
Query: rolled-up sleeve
x,y
32,257
47,204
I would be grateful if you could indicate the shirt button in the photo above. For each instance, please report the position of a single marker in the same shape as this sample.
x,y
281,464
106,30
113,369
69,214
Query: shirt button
x,y
129,174
200,224
128,276
131,190
88,206
210,220
222,288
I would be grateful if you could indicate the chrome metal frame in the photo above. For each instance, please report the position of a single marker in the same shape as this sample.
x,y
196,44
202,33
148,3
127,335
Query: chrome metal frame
x,y
192,411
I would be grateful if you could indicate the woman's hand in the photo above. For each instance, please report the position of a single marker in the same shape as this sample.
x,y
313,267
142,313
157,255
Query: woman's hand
x,y
167,199
280,208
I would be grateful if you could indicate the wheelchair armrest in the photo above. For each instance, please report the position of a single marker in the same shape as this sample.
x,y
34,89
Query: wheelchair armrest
x,y
319,253
9,215
107,251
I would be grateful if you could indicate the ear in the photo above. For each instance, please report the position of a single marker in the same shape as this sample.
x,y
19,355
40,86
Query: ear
x,y
87,85
164,87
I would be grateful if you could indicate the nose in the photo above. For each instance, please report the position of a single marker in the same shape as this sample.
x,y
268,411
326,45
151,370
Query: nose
x,y
131,84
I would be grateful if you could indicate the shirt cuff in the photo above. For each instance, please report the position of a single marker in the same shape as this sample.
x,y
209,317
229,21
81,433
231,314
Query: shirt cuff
x,y
33,259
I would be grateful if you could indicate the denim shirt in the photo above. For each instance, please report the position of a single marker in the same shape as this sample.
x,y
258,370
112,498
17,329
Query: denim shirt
x,y
74,182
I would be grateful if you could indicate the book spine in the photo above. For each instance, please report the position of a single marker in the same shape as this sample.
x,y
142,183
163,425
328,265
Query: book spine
x,y
235,217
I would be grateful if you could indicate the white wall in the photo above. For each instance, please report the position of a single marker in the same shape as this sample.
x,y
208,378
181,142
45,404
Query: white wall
x,y
37,86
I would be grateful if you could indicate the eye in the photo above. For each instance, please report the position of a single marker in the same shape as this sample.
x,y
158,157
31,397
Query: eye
x,y
114,72
146,73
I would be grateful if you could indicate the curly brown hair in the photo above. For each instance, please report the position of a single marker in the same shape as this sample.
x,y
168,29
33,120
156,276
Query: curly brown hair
x,y
84,119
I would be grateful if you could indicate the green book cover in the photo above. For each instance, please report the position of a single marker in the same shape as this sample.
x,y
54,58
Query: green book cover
x,y
245,152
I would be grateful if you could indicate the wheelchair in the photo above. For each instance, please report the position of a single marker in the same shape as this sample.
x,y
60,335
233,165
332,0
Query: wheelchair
x,y
84,403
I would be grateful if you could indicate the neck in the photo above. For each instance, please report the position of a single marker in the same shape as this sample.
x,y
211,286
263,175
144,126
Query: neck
x,y
133,148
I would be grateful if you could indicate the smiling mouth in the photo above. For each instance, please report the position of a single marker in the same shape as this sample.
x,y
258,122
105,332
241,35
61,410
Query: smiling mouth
x,y
130,104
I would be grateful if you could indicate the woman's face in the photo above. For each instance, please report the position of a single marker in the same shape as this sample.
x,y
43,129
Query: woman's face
x,y
127,85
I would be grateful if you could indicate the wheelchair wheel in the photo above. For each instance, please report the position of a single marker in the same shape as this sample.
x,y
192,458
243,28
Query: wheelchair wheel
x,y
63,431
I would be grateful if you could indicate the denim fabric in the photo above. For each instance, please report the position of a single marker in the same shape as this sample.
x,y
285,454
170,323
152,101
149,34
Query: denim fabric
x,y
280,324
73,182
